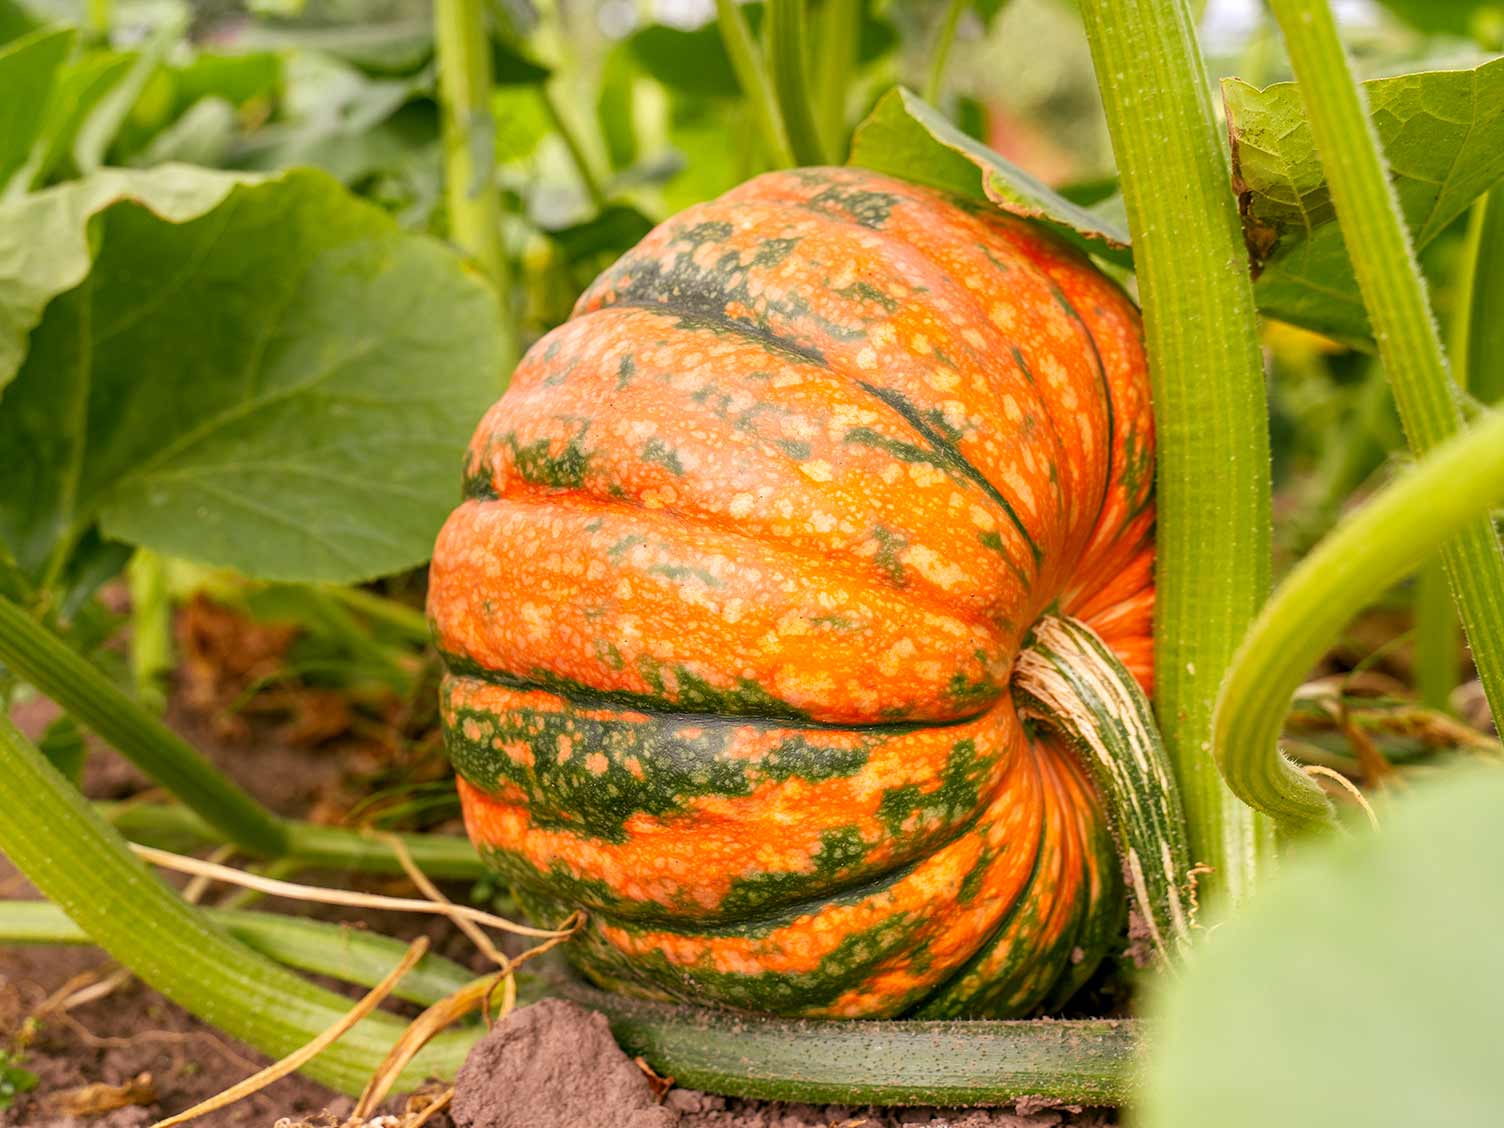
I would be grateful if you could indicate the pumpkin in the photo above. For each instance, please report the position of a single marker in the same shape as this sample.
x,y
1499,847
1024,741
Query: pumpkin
x,y
730,611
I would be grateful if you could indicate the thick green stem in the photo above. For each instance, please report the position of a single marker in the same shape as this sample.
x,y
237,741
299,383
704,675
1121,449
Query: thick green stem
x,y
341,952
1070,680
1209,405
469,136
840,30
79,861
934,84
309,846
912,1062
1372,549
42,659
1394,293
746,60
788,69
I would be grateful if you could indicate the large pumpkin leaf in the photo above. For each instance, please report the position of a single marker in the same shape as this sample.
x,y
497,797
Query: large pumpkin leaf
x,y
260,373
1443,134
907,138
1361,987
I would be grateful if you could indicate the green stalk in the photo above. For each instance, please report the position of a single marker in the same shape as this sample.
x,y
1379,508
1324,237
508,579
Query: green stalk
x,y
1210,411
1365,554
788,63
442,857
840,30
79,861
1394,293
940,52
1069,679
470,194
575,147
746,60
911,1062
1484,361
339,951
42,659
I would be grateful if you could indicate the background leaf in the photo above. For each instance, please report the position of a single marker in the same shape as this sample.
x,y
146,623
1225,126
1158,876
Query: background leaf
x,y
1360,987
264,374
1443,134
905,137
28,71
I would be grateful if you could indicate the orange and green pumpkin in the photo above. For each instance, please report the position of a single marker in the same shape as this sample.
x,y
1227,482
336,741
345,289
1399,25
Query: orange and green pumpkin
x,y
731,609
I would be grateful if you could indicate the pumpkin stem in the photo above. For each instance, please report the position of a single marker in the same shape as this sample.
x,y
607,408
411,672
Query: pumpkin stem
x,y
1068,679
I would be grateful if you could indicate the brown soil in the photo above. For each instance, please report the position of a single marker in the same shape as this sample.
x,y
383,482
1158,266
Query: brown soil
x,y
551,1064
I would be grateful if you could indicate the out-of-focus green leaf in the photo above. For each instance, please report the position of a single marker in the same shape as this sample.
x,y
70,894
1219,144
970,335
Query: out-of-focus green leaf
x,y
63,744
616,229
1361,987
510,67
28,73
905,137
81,85
615,107
16,20
521,123
1443,135
1462,18
103,122
261,373
202,136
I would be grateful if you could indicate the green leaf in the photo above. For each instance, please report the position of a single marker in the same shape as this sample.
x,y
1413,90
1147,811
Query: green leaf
x,y
1443,135
510,67
905,137
1360,987
28,72
63,745
1463,18
259,373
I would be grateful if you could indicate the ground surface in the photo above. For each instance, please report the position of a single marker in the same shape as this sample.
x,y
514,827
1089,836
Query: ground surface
x,y
133,1031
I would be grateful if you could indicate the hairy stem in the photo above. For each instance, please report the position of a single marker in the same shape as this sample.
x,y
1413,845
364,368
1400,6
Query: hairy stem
x,y
1372,549
883,1063
46,662
1394,293
1209,404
